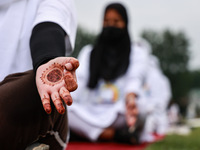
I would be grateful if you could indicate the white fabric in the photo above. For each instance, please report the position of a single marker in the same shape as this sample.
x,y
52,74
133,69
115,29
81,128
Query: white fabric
x,y
154,99
100,107
6,2
173,114
17,18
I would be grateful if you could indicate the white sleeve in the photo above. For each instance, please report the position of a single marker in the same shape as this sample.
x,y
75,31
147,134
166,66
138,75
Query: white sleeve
x,y
137,69
61,12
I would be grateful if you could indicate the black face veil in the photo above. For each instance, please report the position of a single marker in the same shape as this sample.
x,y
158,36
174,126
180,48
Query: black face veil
x,y
110,56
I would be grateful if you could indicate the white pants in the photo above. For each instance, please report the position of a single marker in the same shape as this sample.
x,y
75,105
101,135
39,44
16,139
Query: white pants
x,y
91,132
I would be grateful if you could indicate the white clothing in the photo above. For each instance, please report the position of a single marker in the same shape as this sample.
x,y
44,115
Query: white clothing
x,y
173,114
153,101
101,106
17,19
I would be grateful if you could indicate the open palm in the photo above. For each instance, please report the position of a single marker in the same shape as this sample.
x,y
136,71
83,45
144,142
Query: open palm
x,y
55,80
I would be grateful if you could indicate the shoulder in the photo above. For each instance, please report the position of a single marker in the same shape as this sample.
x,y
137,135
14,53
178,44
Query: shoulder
x,y
141,46
139,51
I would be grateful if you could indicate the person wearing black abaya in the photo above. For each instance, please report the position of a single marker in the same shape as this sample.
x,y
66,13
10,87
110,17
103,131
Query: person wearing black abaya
x,y
109,77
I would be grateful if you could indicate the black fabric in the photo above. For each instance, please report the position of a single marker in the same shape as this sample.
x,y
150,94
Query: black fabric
x,y
128,136
23,119
123,135
47,42
110,56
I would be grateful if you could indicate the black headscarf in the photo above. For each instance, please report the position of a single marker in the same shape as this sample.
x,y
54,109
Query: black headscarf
x,y
110,57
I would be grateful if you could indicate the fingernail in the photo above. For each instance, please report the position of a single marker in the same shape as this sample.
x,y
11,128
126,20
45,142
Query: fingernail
x,y
69,66
69,103
48,111
62,111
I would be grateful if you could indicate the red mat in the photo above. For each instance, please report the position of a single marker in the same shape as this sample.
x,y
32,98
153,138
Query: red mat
x,y
103,146
109,146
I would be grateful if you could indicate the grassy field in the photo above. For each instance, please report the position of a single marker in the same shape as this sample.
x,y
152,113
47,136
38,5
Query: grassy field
x,y
177,142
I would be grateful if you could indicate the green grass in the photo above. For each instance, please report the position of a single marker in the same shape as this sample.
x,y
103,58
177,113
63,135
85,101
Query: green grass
x,y
177,142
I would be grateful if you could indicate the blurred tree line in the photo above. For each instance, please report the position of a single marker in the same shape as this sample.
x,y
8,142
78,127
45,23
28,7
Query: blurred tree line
x,y
172,48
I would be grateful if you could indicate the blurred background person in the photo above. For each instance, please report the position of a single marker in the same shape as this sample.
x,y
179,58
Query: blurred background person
x,y
173,113
154,100
110,77
172,42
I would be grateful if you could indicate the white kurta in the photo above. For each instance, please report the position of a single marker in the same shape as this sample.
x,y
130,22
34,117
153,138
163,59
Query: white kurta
x,y
17,19
94,110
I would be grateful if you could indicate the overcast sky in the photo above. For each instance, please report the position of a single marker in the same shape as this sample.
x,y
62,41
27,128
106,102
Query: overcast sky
x,y
177,15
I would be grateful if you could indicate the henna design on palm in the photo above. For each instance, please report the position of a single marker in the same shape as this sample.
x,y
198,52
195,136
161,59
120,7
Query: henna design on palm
x,y
53,75
55,80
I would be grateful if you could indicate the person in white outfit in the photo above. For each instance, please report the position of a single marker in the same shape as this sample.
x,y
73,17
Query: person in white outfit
x,y
153,101
36,77
110,77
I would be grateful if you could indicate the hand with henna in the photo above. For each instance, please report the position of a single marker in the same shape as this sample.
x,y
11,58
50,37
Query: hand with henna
x,y
131,110
55,80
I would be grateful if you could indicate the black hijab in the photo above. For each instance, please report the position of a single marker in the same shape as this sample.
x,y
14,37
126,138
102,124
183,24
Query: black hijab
x,y
110,57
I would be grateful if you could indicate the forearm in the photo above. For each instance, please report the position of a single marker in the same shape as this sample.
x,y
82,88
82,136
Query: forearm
x,y
55,75
47,42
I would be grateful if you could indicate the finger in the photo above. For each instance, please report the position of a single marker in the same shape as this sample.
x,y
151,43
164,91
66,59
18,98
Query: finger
x,y
74,75
70,81
69,66
65,95
46,102
131,106
58,102
131,114
74,63
132,111
131,120
135,112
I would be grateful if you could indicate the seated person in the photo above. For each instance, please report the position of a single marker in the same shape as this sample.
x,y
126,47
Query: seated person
x,y
110,77
33,97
